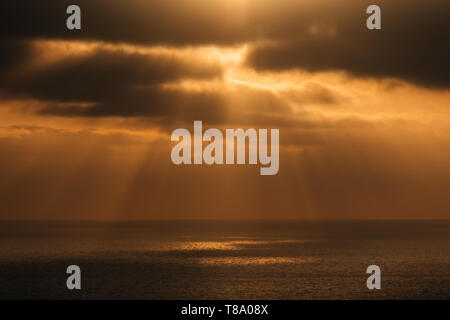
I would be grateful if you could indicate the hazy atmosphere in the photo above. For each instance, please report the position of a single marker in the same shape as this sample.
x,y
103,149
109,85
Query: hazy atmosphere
x,y
86,116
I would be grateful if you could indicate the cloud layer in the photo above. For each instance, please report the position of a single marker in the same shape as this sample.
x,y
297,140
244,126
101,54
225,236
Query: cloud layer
x,y
86,116
287,34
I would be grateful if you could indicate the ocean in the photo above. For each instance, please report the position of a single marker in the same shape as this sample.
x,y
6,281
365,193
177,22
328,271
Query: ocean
x,y
225,259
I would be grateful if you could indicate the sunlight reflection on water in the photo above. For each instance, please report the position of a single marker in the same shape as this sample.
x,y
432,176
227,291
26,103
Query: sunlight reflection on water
x,y
208,260
218,245
244,261
229,246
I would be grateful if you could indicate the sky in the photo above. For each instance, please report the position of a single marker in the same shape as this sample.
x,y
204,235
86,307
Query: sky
x,y
86,115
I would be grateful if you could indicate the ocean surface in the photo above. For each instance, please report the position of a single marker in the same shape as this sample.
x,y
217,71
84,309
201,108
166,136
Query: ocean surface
x,y
225,260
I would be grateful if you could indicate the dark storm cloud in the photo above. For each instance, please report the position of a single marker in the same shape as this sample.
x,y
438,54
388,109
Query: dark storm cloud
x,y
324,35
411,46
134,21
115,83
82,78
151,102
12,53
426,68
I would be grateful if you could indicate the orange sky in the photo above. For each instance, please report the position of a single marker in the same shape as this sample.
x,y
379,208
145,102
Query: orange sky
x,y
85,118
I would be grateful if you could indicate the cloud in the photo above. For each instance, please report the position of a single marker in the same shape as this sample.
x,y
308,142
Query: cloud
x,y
316,36
173,22
102,80
410,46
151,102
12,53
314,93
116,83
82,77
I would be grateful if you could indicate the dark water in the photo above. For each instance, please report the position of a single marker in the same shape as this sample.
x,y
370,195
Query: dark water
x,y
226,260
